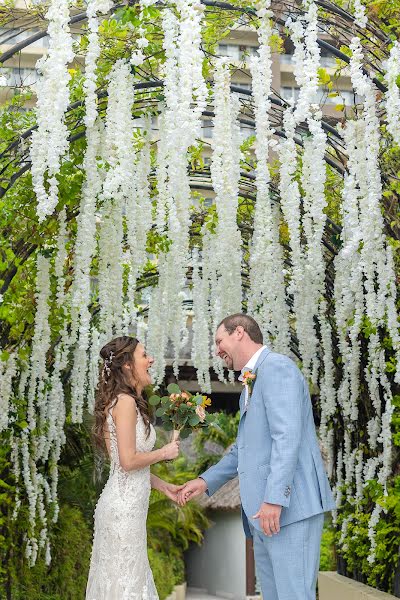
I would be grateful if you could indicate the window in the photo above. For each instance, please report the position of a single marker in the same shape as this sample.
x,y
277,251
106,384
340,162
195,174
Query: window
x,y
290,93
207,128
22,76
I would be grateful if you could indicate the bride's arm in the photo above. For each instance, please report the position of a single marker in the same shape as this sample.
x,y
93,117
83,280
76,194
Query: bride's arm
x,y
124,414
157,483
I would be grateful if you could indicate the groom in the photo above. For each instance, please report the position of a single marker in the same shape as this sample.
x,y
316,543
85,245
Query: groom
x,y
283,486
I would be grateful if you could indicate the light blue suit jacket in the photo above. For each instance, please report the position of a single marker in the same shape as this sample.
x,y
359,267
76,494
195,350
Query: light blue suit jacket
x,y
276,453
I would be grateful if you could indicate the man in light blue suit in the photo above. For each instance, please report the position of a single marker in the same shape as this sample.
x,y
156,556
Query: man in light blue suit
x,y
283,485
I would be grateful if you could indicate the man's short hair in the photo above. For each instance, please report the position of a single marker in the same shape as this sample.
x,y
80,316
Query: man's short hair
x,y
249,324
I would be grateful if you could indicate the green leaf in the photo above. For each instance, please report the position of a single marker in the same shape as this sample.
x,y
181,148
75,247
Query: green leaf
x,y
154,400
198,400
173,388
185,433
160,411
194,420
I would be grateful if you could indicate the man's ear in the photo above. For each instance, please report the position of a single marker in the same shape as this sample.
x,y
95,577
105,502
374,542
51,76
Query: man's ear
x,y
240,331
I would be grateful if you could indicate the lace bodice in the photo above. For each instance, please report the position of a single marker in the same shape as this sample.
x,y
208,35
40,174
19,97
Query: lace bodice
x,y
143,443
119,568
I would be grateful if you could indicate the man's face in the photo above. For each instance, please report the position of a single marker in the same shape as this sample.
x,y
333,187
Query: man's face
x,y
225,346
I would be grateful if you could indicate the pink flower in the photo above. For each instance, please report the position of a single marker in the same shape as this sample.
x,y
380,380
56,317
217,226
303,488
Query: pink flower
x,y
201,413
185,395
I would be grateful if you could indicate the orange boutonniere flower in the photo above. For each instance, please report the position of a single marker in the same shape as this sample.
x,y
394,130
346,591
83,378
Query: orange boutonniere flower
x,y
249,379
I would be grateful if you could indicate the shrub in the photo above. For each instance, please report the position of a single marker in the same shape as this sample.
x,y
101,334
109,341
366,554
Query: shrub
x,y
66,577
163,573
327,559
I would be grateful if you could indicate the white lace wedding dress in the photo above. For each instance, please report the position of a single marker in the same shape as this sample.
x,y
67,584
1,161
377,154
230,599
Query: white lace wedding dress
x,y
119,568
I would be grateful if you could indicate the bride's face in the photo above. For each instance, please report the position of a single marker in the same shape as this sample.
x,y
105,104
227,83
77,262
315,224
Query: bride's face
x,y
142,364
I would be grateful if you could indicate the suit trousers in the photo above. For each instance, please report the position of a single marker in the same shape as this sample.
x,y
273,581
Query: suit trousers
x,y
287,563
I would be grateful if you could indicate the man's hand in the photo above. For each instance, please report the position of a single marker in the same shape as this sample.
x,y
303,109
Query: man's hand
x,y
171,491
191,489
269,515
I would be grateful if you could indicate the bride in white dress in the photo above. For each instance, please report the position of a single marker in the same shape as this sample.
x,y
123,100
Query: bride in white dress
x,y
119,568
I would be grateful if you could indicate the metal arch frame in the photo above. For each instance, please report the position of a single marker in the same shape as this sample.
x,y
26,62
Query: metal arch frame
x,y
276,102
326,5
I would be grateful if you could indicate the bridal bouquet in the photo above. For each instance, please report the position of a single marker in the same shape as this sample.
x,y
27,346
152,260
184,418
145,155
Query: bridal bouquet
x,y
181,411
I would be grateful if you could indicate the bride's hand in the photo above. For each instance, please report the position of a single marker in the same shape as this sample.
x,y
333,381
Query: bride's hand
x,y
171,491
171,450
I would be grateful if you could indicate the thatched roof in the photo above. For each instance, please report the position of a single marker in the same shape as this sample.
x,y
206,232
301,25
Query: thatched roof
x,y
226,498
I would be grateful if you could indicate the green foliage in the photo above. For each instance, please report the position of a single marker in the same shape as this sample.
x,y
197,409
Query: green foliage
x,y
163,572
327,559
66,577
379,574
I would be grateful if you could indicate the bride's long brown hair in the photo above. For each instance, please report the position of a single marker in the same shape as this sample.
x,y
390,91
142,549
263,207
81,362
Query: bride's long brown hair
x,y
114,381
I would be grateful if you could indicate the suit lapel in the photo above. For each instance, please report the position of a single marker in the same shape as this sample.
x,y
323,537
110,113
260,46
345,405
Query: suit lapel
x,y
259,362
241,402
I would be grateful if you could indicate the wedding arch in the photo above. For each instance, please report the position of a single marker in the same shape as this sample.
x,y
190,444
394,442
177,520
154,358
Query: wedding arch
x,y
103,201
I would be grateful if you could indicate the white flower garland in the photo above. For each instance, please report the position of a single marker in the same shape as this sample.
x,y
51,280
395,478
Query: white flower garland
x,y
49,141
8,372
225,174
40,342
85,247
138,211
267,295
392,100
94,7
365,263
361,18
201,327
185,97
307,262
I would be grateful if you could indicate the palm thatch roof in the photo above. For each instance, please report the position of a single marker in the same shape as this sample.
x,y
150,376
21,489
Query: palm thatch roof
x,y
226,498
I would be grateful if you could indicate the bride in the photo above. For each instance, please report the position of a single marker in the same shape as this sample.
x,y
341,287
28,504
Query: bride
x,y
119,568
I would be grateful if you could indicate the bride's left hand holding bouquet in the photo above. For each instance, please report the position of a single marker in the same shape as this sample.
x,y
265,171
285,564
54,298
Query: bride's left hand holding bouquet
x,y
182,412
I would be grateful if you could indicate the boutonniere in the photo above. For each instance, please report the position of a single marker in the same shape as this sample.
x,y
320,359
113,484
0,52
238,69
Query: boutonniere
x,y
249,379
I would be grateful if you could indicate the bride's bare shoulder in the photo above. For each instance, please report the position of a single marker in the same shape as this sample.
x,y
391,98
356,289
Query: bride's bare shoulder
x,y
125,403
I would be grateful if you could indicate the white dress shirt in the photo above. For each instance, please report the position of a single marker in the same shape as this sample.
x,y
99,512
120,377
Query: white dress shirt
x,y
249,366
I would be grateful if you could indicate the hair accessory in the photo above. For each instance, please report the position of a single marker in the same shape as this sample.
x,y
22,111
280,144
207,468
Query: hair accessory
x,y
107,366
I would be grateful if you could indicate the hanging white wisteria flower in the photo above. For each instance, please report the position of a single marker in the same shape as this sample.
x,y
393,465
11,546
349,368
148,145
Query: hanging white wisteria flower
x,y
200,326
307,274
392,97
61,257
94,8
185,97
225,174
40,342
364,290
85,247
360,15
138,211
267,295
8,371
49,142
306,59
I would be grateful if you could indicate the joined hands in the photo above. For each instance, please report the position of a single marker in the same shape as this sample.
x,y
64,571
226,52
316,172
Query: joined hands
x,y
190,490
